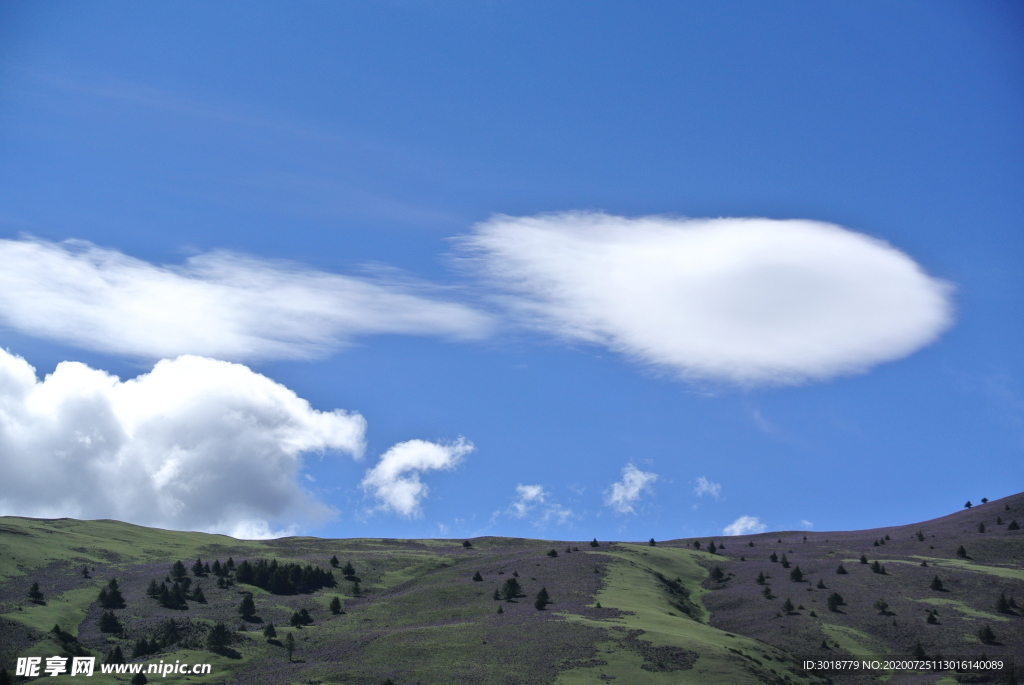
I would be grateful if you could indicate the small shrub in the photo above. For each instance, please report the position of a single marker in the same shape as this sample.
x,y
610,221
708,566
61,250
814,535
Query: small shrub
x,y
863,559
821,584
652,543
1013,525
467,544
477,577
986,635
881,606
595,543
841,571
961,552
936,584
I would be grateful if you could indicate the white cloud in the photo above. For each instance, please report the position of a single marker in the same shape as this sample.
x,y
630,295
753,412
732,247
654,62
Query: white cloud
x,y
195,444
742,300
395,480
529,496
744,525
704,486
625,493
806,525
218,304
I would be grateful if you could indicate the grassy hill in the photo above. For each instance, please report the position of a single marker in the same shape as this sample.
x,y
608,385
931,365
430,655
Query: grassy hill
x,y
626,612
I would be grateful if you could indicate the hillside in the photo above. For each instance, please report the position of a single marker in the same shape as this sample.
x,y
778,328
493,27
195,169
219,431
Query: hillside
x,y
625,612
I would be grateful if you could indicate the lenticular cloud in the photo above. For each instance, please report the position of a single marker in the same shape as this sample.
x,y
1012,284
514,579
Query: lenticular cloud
x,y
196,444
747,301
218,304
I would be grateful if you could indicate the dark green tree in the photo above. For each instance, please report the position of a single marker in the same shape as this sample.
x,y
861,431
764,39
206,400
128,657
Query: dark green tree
x,y
767,592
652,543
217,570
247,608
35,594
1002,606
178,570
968,505
511,589
920,536
918,651
110,596
178,598
108,623
477,577
711,547
961,552
500,610
760,578
932,618
863,559
334,561
841,571
542,599
5,678
796,575
198,596
882,606
289,645
153,590
981,527
348,570
717,574
787,606
139,679
1013,525
270,632
114,656
230,564
936,584
197,568
986,635
834,601
785,561
774,557
218,638
467,544
595,543
497,595
821,584
877,567
336,606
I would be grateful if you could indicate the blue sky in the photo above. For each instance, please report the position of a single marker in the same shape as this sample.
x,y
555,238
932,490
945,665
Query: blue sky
x,y
566,269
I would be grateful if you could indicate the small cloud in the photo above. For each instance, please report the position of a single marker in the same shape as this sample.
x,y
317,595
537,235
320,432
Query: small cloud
x,y
443,528
761,422
310,478
704,486
806,525
744,525
395,480
529,497
556,513
625,493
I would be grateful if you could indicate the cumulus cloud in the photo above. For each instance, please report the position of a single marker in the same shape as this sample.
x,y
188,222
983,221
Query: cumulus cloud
x,y
528,496
744,525
395,480
195,444
747,300
627,492
531,497
706,487
218,304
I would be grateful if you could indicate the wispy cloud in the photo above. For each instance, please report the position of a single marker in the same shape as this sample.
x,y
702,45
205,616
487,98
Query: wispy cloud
x,y
535,499
806,525
749,301
195,444
625,493
745,525
218,304
395,480
528,496
706,487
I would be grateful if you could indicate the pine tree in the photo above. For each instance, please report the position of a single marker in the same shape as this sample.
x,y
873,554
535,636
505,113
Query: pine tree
x,y
841,571
918,651
5,679
696,544
863,559
248,607
230,564
568,549
882,606
834,601
999,520
1013,525
774,557
924,563
336,606
500,610
821,584
652,543
289,645
219,637
178,570
717,574
270,632
767,592
920,536
787,606
153,590
114,656
542,599
553,553
197,568
110,596
497,595
796,575
785,561
334,561
305,617
477,577
141,648
760,578
108,623
510,590
139,679
35,594
877,567
1002,606
961,552
932,618
349,570
875,543
981,527
467,544
968,505
198,596
595,543
712,548
295,620
217,571
936,584
986,635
